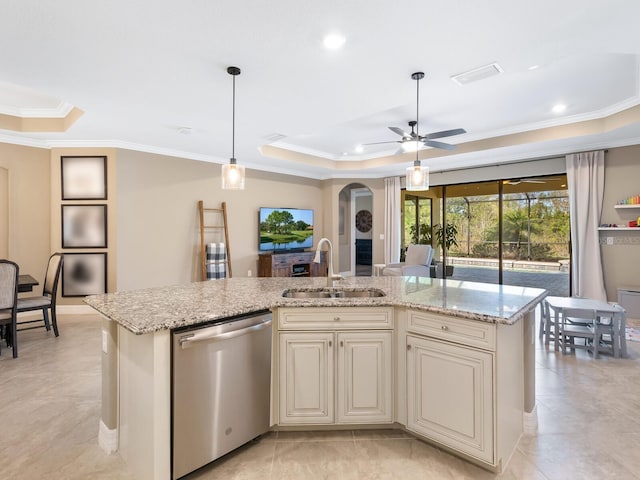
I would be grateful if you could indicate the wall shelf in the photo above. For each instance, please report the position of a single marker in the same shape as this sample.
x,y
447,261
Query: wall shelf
x,y
620,229
626,206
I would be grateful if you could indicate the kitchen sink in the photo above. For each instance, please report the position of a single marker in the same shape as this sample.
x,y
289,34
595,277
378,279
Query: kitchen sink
x,y
334,293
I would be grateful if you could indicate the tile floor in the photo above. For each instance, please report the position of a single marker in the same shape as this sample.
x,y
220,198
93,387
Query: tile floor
x,y
589,415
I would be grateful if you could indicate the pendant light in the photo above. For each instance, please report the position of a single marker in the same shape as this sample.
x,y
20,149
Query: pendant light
x,y
232,173
417,175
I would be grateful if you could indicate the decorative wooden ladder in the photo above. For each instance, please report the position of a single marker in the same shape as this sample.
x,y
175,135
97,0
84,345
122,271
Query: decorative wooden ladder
x,y
204,227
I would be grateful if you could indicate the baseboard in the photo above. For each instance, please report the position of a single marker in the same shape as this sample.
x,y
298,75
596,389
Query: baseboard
x,y
60,310
530,421
74,310
107,438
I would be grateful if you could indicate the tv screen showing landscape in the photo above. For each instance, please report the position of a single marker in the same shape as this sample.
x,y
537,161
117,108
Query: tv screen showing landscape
x,y
286,229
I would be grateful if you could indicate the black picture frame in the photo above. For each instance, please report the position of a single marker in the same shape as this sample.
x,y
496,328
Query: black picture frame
x,y
83,177
84,274
84,226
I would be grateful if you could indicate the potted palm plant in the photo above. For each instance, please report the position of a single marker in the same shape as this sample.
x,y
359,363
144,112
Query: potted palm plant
x,y
445,239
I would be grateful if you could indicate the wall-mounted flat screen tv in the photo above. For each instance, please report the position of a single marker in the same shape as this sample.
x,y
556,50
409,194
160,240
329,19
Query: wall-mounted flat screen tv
x,y
285,229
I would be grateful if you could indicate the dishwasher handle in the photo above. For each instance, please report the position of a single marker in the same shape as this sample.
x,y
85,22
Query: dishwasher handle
x,y
191,339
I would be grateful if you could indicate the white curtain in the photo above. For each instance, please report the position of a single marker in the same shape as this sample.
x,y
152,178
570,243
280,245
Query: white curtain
x,y
392,211
585,175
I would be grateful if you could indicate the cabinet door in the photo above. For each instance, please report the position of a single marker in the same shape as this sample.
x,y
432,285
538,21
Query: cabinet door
x,y
281,270
450,395
364,377
306,378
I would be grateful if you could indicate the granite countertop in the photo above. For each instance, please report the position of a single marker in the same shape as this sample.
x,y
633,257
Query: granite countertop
x,y
162,308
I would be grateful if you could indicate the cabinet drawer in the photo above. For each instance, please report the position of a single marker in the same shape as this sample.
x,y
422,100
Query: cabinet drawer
x,y
458,330
302,258
335,318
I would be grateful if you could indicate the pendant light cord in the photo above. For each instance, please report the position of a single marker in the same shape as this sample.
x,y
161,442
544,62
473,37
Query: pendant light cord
x,y
417,117
233,121
233,71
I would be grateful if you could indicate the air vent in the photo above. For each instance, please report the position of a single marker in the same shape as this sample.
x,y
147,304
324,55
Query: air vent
x,y
274,137
476,74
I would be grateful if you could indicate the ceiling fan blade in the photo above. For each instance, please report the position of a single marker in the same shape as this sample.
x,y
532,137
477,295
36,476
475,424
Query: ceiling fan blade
x,y
380,143
443,146
444,133
517,181
400,132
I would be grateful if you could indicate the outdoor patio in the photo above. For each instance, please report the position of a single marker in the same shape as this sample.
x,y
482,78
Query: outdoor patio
x,y
556,282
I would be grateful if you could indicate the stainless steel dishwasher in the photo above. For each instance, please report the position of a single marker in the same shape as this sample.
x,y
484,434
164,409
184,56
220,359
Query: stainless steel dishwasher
x,y
220,388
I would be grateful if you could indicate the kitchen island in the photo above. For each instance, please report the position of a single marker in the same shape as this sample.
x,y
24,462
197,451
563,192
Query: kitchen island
x,y
425,318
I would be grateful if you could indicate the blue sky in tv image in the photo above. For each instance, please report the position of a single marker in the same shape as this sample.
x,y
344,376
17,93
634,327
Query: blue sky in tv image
x,y
287,235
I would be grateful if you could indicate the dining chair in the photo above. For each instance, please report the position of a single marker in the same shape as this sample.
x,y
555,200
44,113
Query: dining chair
x,y
579,323
547,323
47,301
8,301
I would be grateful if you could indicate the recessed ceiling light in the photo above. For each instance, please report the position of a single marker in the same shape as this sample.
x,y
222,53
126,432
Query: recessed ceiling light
x,y
533,67
344,154
184,130
359,149
333,41
559,108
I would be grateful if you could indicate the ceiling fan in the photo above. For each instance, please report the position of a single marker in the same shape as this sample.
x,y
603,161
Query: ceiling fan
x,y
412,141
517,181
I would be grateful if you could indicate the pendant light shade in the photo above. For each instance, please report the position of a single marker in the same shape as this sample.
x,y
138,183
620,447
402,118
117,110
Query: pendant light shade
x,y
232,176
232,173
417,175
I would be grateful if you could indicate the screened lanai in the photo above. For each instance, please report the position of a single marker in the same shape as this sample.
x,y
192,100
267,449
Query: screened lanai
x,y
513,231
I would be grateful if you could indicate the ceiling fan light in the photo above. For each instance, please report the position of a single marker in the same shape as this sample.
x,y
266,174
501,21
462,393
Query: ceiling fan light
x,y
232,176
417,177
410,146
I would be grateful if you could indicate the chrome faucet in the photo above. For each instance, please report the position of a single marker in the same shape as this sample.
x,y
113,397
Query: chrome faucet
x,y
330,275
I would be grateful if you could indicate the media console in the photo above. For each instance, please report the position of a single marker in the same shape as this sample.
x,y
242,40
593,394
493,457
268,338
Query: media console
x,y
297,264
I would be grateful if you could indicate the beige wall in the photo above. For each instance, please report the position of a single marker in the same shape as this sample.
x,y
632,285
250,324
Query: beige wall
x,y
4,212
158,229
28,207
622,179
154,223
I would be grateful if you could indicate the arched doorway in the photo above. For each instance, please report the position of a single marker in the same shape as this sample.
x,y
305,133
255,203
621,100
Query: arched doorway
x,y
355,230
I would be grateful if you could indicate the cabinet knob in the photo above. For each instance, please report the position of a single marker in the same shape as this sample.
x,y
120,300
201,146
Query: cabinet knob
x,y
408,347
444,327
341,343
330,343
336,319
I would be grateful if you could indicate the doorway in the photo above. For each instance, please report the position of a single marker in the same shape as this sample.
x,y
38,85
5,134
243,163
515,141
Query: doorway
x,y
355,230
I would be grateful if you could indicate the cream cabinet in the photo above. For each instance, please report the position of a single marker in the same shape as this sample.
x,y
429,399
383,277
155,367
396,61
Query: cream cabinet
x,y
329,370
464,385
364,377
307,377
450,395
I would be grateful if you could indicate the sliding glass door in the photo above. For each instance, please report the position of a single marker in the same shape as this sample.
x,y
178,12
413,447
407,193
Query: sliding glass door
x,y
510,231
416,220
473,211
